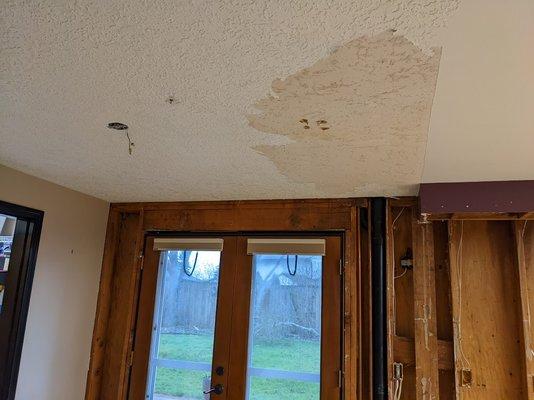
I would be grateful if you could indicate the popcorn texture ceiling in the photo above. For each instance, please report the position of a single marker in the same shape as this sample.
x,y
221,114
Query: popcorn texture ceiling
x,y
67,68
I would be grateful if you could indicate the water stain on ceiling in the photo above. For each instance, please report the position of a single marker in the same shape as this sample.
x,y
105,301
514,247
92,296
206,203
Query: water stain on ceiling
x,y
67,69
357,119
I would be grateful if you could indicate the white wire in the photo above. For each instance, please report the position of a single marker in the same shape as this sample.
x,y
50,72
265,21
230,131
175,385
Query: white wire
x,y
401,275
398,216
397,393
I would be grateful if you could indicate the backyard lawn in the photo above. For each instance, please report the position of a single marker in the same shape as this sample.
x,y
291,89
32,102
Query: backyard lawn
x,y
300,356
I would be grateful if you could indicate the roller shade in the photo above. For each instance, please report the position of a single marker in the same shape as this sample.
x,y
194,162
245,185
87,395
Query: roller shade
x,y
192,244
286,246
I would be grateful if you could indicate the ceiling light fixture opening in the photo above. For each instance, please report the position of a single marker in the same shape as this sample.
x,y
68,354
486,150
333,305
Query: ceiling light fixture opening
x,y
119,126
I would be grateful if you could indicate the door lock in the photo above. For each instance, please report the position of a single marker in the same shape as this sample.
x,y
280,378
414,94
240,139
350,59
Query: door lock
x,y
217,389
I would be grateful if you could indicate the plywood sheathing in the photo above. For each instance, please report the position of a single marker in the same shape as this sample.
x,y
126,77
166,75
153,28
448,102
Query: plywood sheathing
x,y
524,239
487,323
356,120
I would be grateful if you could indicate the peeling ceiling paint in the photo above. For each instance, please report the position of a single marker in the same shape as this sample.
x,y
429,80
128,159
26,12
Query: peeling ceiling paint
x,y
69,68
358,119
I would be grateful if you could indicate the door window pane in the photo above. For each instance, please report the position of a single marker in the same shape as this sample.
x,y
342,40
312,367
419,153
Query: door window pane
x,y
7,230
184,324
285,328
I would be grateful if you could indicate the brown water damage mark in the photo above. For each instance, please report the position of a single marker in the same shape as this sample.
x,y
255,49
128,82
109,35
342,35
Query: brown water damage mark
x,y
357,118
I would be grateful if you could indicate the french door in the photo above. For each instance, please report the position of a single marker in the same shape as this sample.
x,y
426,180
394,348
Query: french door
x,y
239,318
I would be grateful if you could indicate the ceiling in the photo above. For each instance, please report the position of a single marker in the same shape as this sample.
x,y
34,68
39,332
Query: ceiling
x,y
266,99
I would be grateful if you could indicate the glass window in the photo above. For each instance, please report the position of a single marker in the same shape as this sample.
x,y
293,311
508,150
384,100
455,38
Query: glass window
x,y
184,325
285,328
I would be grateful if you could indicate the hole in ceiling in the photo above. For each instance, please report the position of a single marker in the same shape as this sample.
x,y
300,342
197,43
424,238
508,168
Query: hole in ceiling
x,y
119,126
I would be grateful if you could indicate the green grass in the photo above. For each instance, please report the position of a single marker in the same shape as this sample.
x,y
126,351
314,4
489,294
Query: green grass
x,y
302,356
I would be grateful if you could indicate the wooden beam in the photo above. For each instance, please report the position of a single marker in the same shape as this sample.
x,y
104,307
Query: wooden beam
x,y
426,341
526,215
108,372
352,378
365,286
526,333
405,353
474,216
478,197
96,361
454,235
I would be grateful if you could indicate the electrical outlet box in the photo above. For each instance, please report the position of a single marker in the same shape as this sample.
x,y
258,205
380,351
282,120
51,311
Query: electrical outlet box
x,y
466,377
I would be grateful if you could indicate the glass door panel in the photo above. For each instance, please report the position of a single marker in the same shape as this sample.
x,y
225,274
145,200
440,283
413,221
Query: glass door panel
x,y
186,293
184,325
239,326
285,328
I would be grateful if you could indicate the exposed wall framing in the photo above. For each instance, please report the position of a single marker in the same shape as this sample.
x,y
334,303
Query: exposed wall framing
x,y
462,314
459,292
108,376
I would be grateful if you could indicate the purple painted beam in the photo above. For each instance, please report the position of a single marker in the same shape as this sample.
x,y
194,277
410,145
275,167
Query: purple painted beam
x,y
480,197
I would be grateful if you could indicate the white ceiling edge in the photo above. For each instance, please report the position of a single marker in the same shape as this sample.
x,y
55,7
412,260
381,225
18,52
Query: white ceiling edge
x,y
482,124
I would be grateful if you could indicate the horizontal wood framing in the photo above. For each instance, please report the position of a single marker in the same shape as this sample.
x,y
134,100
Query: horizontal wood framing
x,y
109,370
405,352
480,216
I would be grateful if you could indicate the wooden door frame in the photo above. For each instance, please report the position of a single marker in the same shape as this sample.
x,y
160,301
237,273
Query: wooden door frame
x,y
18,290
129,223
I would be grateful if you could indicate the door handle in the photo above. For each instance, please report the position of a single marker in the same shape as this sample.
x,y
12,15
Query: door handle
x,y
217,389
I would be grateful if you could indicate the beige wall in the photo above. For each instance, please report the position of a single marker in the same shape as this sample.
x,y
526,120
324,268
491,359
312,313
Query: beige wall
x,y
55,355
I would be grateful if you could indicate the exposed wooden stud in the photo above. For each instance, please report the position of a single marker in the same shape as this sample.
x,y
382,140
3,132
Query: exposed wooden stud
x,y
365,287
351,309
390,276
98,345
426,341
134,285
526,333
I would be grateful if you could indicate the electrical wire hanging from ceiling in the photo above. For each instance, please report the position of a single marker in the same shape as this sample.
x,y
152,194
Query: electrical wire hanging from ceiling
x,y
184,264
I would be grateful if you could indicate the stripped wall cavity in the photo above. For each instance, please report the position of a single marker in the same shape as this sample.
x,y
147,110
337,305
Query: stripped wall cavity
x,y
357,119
